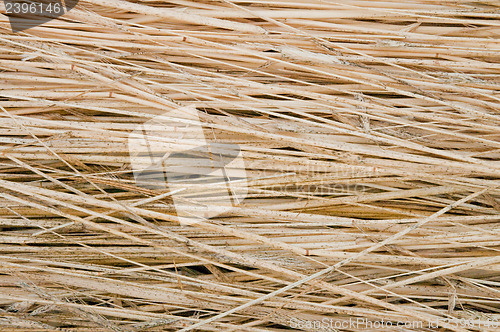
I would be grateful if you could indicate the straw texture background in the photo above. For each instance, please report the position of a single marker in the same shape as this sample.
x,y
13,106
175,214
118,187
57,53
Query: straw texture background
x,y
371,137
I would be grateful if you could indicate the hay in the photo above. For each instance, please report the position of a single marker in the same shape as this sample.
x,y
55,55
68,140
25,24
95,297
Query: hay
x,y
370,133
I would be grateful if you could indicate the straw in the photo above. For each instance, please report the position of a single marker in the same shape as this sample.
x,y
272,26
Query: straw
x,y
368,190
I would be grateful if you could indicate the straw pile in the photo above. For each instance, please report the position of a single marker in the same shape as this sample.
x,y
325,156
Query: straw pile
x,y
371,138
